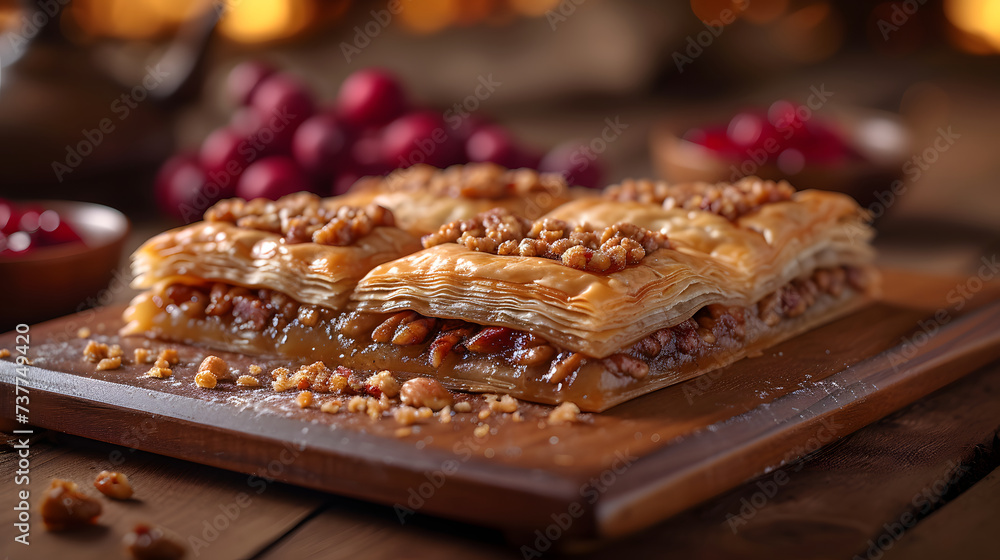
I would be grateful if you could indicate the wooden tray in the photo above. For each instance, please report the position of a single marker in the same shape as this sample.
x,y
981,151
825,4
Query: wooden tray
x,y
616,473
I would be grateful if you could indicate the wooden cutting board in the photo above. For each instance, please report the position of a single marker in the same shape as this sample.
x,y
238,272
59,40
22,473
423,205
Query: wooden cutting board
x,y
613,474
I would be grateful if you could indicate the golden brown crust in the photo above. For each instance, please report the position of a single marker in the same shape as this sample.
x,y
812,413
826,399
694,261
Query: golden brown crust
x,y
729,200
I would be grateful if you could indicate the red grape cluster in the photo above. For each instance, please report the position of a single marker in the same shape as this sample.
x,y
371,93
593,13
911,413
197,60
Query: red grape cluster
x,y
785,135
279,141
26,228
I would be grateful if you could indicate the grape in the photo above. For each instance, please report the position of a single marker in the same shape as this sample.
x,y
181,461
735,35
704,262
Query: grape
x,y
345,181
419,137
245,78
575,162
321,145
744,129
283,102
370,98
492,143
224,155
272,178
246,120
182,189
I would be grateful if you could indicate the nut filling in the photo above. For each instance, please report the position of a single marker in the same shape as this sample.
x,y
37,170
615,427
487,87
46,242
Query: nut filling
x,y
473,181
303,217
501,232
727,200
447,342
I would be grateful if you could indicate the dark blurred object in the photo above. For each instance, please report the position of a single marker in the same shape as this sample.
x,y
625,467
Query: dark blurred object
x,y
70,129
61,279
877,143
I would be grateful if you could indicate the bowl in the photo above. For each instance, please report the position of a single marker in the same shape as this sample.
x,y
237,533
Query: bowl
x,y
881,139
61,279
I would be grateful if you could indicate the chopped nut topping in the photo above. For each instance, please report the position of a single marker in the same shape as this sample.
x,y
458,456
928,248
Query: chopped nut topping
x,y
384,383
331,406
424,391
728,200
247,381
303,217
517,416
500,232
565,413
216,366
304,399
109,363
205,380
474,181
65,507
282,381
95,351
113,485
83,332
144,542
159,373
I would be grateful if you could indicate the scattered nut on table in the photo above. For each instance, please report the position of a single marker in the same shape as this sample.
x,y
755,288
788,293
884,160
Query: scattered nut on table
x,y
424,391
64,507
145,542
113,485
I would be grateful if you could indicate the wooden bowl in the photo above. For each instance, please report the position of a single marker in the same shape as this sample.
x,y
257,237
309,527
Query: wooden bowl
x,y
61,279
881,139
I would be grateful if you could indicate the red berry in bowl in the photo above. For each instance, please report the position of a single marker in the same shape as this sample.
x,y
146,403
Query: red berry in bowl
x,y
245,78
744,129
53,230
16,244
10,217
576,162
283,102
272,178
370,98
321,145
183,190
419,137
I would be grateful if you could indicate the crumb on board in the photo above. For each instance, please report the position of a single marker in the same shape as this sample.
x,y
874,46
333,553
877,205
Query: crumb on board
x,y
463,406
254,369
113,485
403,432
247,381
95,351
4,353
141,355
83,332
205,380
484,414
565,413
304,399
444,416
331,406
170,355
505,403
216,366
159,373
481,430
109,363
64,507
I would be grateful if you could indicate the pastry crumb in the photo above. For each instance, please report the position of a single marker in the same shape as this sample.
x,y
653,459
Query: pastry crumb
x,y
517,416
331,406
481,430
247,381
304,399
113,485
484,414
254,369
83,332
445,415
205,380
463,406
65,507
403,432
170,355
115,351
95,351
356,404
140,355
384,382
505,403
424,391
4,353
214,365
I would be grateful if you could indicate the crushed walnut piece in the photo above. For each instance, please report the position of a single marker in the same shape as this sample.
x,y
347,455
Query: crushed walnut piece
x,y
95,351
463,406
83,332
356,403
331,406
115,351
474,181
729,200
481,430
109,363
444,416
505,403
4,353
113,485
145,542
216,366
303,218
159,373
565,413
382,383
254,369
141,355
424,391
170,355
65,507
501,232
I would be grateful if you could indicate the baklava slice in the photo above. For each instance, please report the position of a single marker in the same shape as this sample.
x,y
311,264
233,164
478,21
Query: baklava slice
x,y
422,197
261,276
611,297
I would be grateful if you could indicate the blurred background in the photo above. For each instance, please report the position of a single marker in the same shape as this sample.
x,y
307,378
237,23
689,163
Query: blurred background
x,y
159,107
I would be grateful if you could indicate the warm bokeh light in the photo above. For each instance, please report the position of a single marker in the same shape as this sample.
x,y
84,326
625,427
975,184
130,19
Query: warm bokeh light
x,y
978,19
533,7
429,16
811,33
711,11
255,21
125,19
764,11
